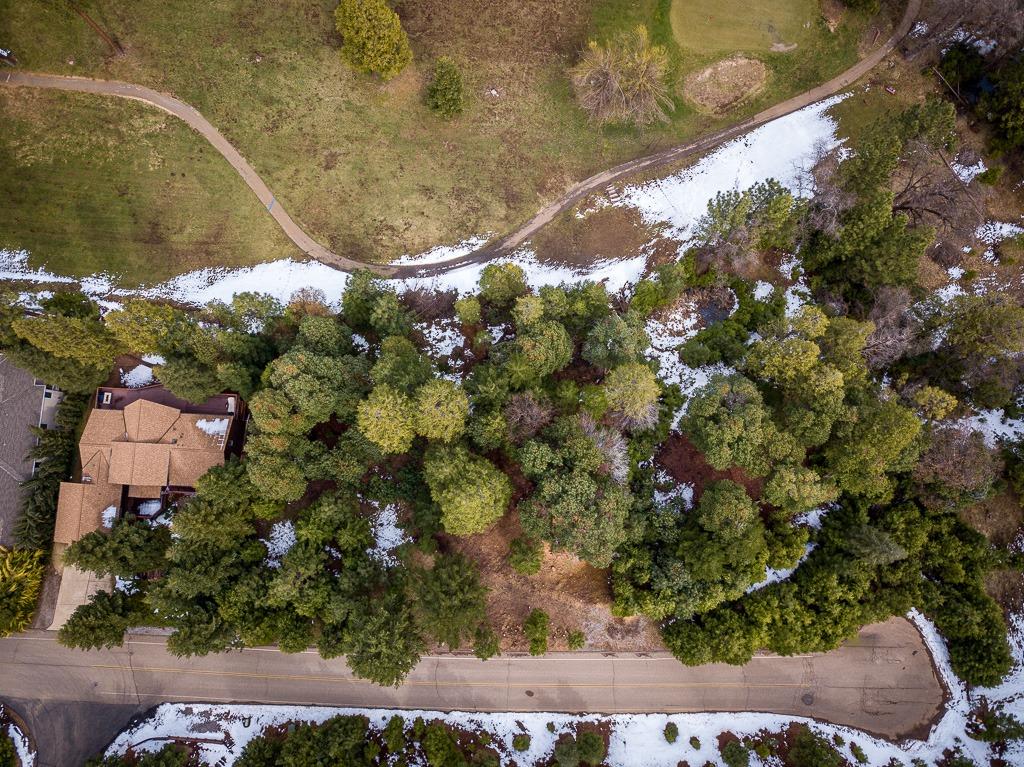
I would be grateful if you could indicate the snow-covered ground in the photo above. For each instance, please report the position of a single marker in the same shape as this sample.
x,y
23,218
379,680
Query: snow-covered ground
x,y
636,740
388,535
781,149
22,748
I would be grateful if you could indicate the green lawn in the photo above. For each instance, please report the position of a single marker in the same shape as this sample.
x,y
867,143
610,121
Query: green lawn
x,y
362,165
724,26
91,185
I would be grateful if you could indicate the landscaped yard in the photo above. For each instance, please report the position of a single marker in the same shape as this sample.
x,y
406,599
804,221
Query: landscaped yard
x,y
365,167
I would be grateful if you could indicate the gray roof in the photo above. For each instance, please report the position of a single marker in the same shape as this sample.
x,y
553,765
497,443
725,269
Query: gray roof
x,y
20,403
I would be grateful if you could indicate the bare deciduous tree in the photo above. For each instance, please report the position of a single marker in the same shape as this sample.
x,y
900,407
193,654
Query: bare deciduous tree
x,y
526,416
958,465
896,327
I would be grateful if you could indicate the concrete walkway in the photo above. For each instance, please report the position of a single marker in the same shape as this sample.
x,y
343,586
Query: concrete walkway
x,y
574,194
882,682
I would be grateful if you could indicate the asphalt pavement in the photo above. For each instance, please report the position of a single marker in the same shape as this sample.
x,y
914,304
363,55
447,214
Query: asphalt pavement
x,y
882,682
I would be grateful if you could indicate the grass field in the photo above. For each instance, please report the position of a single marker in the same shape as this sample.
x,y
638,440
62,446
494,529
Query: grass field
x,y
362,165
91,185
724,26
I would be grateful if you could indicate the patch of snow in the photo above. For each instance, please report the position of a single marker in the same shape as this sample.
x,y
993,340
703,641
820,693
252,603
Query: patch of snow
x,y
149,508
677,490
812,518
995,426
994,232
126,585
772,575
967,173
137,377
26,755
154,359
107,516
782,149
496,332
982,45
442,253
443,336
920,29
360,343
763,290
388,535
215,427
279,541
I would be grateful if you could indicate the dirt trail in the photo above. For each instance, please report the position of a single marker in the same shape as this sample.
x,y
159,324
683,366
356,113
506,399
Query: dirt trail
x,y
574,194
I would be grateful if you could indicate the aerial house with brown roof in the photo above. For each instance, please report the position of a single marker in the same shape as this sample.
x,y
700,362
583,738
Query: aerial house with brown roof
x,y
139,448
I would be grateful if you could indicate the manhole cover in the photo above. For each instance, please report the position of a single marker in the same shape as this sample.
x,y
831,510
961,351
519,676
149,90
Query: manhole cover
x,y
529,693
807,698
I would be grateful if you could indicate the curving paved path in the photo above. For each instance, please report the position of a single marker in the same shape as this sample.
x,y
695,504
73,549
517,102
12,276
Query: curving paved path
x,y
882,682
574,194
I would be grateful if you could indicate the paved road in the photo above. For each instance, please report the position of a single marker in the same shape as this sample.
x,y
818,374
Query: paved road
x,y
573,195
882,682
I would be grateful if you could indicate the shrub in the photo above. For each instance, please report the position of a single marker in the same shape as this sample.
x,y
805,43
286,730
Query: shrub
x,y
21,577
858,754
468,310
7,752
734,754
372,37
991,176
576,640
671,732
394,734
590,747
445,92
811,750
623,81
694,742
536,630
525,555
521,742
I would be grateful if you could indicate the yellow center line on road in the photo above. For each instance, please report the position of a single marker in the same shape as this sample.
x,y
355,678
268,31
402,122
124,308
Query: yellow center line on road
x,y
431,683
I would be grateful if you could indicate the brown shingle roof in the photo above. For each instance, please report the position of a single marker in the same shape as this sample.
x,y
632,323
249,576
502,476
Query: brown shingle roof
x,y
144,491
148,421
80,508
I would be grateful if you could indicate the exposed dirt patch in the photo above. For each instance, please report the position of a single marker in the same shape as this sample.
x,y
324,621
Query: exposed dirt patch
x,y
997,518
575,595
47,604
610,232
832,12
720,87
685,463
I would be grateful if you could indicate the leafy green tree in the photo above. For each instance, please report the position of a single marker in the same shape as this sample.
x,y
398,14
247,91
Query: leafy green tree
x,y
143,326
1006,104
400,365
387,418
794,489
102,621
525,555
85,341
540,350
21,578
882,441
372,37
485,642
445,93
576,504
986,326
472,493
129,549
614,341
441,410
536,629
632,391
738,224
729,423
468,310
383,643
450,599
671,732
502,284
